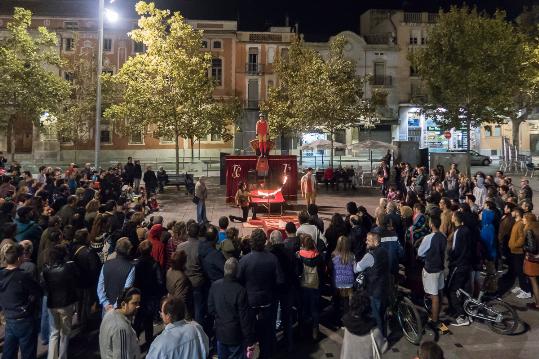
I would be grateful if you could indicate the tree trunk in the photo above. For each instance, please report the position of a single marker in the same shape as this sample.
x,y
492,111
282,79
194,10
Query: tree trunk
x,y
331,149
192,140
282,142
515,127
300,152
177,150
198,149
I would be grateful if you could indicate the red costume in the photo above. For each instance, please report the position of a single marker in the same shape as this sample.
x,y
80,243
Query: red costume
x,y
262,133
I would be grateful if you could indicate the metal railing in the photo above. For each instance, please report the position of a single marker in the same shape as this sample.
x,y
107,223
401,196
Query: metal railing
x,y
254,68
378,80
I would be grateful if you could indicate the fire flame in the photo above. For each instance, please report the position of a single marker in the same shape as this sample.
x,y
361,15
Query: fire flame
x,y
260,193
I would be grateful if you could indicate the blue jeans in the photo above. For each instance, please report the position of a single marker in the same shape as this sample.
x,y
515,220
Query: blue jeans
x,y
225,351
378,308
201,212
21,333
45,328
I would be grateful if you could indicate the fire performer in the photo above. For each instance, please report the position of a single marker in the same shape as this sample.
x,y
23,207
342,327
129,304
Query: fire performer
x,y
243,200
262,134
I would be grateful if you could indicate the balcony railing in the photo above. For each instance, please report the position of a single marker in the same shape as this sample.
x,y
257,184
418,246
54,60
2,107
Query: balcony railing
x,y
385,81
413,17
254,69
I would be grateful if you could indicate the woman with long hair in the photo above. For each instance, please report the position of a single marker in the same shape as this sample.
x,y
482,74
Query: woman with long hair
x,y
342,265
92,209
179,235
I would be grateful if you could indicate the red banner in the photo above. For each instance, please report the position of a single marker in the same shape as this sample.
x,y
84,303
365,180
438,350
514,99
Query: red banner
x,y
239,167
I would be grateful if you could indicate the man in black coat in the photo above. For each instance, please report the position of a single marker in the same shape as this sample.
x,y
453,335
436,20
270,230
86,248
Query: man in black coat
x,y
137,176
20,295
460,262
234,322
129,172
150,181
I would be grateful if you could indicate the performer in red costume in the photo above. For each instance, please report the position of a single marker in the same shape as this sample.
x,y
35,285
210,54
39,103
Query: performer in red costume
x,y
262,134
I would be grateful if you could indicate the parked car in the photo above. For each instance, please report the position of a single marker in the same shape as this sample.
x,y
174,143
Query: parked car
x,y
477,159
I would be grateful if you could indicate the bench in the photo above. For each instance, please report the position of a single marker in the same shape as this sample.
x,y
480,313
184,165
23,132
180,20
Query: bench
x,y
182,179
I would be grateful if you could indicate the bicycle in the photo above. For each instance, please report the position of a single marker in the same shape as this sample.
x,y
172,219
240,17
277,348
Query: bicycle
x,y
500,316
405,310
407,315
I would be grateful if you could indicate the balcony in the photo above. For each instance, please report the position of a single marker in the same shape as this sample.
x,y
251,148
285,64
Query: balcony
x,y
254,69
383,81
413,17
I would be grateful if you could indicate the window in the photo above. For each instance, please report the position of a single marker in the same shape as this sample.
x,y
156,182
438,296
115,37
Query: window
x,y
71,25
271,55
413,40
217,71
106,137
110,72
136,137
69,44
488,131
415,35
107,45
284,54
217,45
423,40
204,44
379,73
497,130
494,152
68,76
215,137
138,47
413,71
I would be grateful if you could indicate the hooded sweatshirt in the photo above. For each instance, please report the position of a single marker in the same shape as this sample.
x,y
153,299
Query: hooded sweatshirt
x,y
19,293
158,247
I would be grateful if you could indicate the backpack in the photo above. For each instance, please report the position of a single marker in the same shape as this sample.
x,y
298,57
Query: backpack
x,y
309,278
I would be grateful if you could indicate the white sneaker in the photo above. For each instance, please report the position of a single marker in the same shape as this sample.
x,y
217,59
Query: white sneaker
x,y
524,295
462,321
516,290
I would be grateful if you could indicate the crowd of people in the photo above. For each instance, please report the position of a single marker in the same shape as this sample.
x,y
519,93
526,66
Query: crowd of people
x,y
80,246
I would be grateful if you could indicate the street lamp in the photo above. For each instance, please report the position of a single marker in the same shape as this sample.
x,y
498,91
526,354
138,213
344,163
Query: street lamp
x,y
111,16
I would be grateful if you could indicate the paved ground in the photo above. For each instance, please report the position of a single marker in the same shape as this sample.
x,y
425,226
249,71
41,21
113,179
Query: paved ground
x,y
475,342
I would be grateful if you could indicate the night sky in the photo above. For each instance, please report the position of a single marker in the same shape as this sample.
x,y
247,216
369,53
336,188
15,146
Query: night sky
x,y
318,19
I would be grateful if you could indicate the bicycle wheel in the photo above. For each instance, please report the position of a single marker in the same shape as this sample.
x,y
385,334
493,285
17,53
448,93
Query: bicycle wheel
x,y
509,317
409,320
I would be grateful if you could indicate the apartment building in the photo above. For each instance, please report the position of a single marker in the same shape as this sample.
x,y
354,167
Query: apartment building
x,y
241,66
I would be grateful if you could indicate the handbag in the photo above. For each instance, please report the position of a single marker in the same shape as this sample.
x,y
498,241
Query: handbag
x,y
380,180
359,283
375,350
530,245
195,200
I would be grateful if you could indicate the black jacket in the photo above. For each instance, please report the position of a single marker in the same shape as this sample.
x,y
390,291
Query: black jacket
x,y
20,294
461,255
234,322
60,283
149,277
289,264
129,169
150,179
357,241
261,274
88,264
213,265
292,244
137,172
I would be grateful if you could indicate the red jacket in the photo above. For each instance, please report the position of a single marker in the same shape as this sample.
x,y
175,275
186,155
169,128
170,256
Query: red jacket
x,y
158,247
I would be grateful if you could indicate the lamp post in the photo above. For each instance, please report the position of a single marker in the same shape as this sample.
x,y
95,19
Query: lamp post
x,y
111,16
101,11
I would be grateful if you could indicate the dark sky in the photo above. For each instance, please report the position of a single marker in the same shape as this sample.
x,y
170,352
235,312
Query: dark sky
x,y
319,19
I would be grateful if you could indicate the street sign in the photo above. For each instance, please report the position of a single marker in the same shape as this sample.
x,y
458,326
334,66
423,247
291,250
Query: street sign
x,y
447,134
